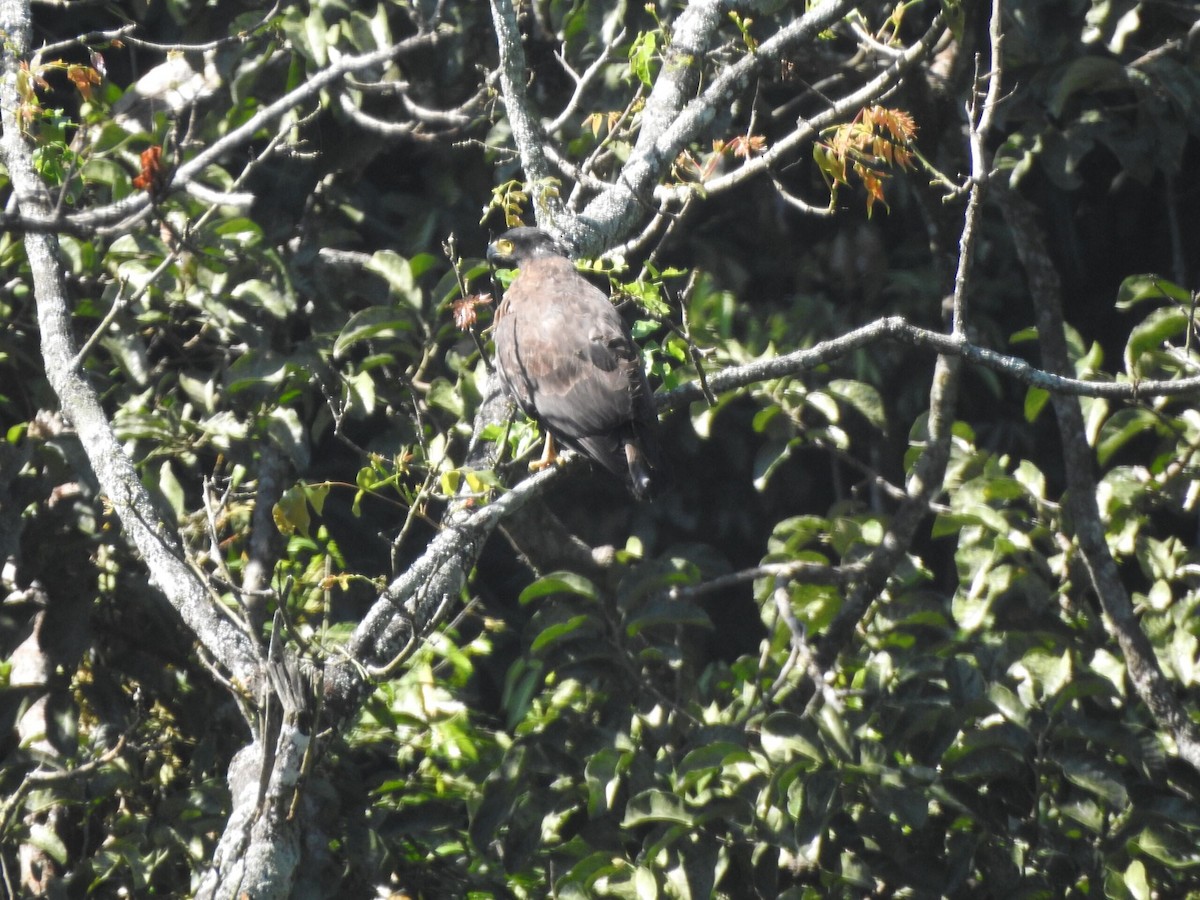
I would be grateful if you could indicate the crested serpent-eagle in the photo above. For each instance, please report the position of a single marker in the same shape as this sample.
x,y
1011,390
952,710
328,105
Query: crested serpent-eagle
x,y
566,357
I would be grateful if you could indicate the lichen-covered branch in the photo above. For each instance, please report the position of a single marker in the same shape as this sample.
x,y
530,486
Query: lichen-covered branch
x,y
517,108
157,544
672,117
901,331
673,120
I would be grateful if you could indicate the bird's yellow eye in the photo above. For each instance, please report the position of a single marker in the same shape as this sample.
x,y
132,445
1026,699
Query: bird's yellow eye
x,y
504,246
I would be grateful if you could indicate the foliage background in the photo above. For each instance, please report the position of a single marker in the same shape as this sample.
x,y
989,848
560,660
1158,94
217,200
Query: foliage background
x,y
739,690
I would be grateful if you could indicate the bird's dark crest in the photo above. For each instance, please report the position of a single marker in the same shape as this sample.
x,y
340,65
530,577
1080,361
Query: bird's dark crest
x,y
566,357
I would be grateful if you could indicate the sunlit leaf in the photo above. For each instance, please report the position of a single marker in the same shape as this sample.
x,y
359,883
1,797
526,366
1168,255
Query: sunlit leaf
x,y
398,273
46,839
1096,779
559,583
654,806
1160,326
374,322
785,736
559,631
1136,289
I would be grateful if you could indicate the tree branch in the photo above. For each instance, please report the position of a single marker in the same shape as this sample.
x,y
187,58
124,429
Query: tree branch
x,y
116,217
670,121
929,470
808,129
259,849
896,328
1119,616
119,480
416,602
584,82
517,107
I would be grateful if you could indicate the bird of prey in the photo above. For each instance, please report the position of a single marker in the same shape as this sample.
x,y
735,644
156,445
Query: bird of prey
x,y
567,359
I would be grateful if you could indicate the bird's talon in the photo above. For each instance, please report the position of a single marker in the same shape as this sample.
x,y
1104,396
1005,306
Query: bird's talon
x,y
548,458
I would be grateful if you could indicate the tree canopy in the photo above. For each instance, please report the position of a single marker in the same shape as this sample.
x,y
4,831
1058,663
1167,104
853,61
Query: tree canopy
x,y
287,614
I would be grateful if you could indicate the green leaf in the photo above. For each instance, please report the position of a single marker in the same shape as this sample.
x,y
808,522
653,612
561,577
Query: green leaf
x,y
315,31
360,392
656,806
603,774
643,328
824,404
862,397
1138,288
645,883
1086,73
769,458
1110,667
501,792
446,395
287,432
972,611
642,55
376,321
665,611
398,273
521,684
710,759
1168,847
1124,426
786,735
1096,779
316,494
256,369
1160,326
47,840
244,232
1048,671
1035,401
291,512
265,296
559,583
171,489
558,631
1136,881
587,871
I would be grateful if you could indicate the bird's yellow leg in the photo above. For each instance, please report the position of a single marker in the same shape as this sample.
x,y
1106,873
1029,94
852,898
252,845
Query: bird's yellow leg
x,y
549,456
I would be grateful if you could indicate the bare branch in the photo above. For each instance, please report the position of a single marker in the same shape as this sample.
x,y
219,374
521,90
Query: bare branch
x,y
116,217
797,202
796,570
980,120
584,82
126,36
929,470
895,328
808,129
